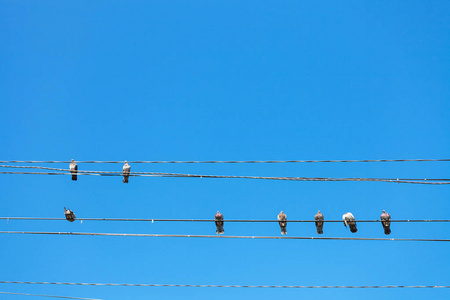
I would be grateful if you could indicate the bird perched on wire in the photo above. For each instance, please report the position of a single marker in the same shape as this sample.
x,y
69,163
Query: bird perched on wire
x,y
386,222
349,220
73,167
218,218
282,220
319,222
126,172
70,216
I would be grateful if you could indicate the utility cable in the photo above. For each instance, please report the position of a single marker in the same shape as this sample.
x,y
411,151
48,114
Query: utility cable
x,y
222,236
48,296
208,220
241,286
151,174
120,173
227,161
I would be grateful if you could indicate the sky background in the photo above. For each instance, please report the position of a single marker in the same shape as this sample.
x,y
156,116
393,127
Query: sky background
x,y
225,80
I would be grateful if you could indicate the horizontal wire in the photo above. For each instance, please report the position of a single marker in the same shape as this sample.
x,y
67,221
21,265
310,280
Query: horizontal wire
x,y
222,236
239,286
207,220
227,161
228,176
148,174
48,296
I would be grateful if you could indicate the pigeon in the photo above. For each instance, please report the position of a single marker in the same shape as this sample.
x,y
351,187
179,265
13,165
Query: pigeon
x,y
282,220
218,218
349,220
319,222
70,216
126,172
73,167
386,222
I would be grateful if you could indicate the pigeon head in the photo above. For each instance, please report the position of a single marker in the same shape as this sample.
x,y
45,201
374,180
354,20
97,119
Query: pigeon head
x,y
384,211
318,212
72,160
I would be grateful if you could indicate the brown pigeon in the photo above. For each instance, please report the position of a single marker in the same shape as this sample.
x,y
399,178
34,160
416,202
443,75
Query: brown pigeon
x,y
319,222
386,222
282,220
126,172
73,167
70,216
218,218
349,220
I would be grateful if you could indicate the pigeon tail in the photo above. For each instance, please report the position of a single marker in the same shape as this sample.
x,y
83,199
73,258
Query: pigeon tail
x,y
319,230
353,228
74,177
283,231
220,230
125,179
387,230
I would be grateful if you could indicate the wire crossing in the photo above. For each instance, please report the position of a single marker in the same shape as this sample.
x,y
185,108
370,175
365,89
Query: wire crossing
x,y
330,179
240,286
47,296
222,236
226,161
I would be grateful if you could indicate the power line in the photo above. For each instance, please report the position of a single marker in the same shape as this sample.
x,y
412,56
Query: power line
x,y
120,173
329,179
240,286
207,220
48,296
227,161
222,236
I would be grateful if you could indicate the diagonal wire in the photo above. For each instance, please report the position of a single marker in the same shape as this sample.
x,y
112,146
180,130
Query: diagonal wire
x,y
238,286
196,175
432,181
229,161
47,296
222,236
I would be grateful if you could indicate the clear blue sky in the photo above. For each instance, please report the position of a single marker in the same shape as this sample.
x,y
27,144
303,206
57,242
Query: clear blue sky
x,y
225,80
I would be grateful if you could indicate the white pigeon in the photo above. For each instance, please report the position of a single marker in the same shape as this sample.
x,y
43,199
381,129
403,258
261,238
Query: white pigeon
x,y
349,220
73,167
126,172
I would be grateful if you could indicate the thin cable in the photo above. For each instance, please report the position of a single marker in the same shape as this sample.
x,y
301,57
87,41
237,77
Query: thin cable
x,y
222,236
207,220
48,296
226,162
241,286
120,173
148,174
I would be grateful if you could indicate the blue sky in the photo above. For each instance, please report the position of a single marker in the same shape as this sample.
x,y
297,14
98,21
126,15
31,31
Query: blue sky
x,y
225,80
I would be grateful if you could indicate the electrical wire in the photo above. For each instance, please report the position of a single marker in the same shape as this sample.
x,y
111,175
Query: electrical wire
x,y
241,286
48,296
227,162
222,236
151,174
208,220
214,176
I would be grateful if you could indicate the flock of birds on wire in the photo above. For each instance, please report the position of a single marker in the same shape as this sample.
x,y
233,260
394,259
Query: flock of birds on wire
x,y
347,218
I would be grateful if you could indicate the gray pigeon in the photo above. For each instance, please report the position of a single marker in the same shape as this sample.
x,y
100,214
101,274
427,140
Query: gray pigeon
x,y
218,218
73,167
319,222
386,222
70,216
282,220
349,220
126,172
